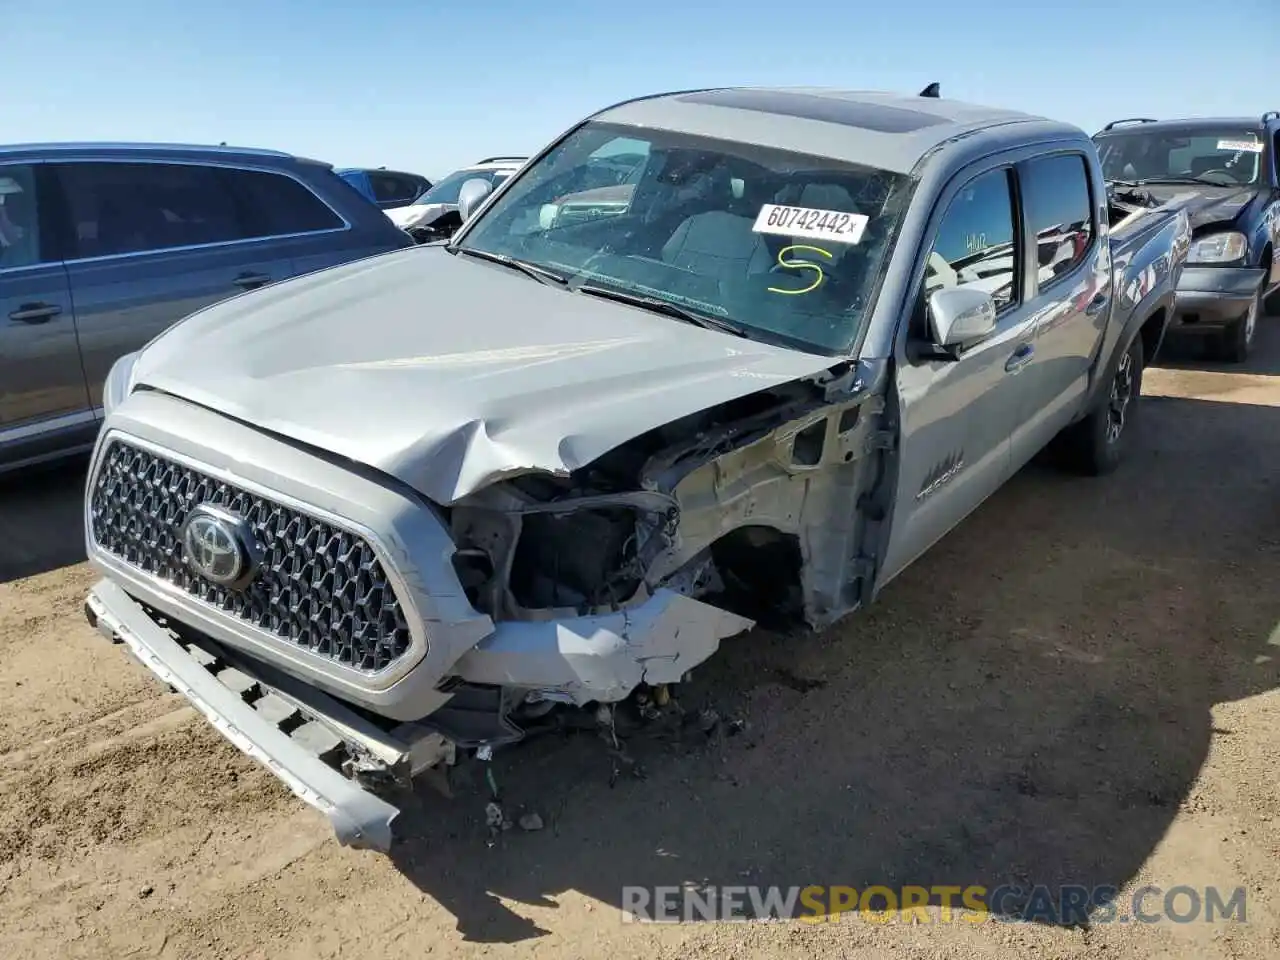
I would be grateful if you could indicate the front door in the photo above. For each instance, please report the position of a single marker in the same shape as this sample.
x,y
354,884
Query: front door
x,y
42,386
957,416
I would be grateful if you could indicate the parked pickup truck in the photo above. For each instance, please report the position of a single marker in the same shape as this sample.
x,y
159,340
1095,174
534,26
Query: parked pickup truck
x,y
1226,173
401,508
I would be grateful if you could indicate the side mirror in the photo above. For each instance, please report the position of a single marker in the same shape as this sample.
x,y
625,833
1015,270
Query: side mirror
x,y
472,194
961,316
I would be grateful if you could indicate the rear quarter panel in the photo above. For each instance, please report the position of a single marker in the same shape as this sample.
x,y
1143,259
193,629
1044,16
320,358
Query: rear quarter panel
x,y
1148,256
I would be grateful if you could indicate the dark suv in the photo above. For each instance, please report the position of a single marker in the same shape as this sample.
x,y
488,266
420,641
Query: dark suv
x,y
104,246
1227,170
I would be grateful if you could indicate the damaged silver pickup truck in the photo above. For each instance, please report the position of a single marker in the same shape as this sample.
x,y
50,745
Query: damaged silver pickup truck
x,y
368,517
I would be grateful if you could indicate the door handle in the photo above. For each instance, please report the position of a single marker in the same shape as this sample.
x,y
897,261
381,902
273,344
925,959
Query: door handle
x,y
1019,357
35,313
249,281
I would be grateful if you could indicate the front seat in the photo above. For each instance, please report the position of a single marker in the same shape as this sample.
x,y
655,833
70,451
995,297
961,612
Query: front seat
x,y
720,243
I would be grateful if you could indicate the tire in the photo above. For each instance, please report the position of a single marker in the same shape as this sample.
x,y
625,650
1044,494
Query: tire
x,y
1236,342
1271,305
1095,445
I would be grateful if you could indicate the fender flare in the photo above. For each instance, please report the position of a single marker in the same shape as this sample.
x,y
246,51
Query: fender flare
x,y
1106,366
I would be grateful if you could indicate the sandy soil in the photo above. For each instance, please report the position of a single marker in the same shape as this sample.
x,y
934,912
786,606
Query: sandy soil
x,y
1078,686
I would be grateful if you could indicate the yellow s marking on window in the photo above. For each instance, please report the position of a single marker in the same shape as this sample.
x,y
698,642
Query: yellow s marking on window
x,y
801,265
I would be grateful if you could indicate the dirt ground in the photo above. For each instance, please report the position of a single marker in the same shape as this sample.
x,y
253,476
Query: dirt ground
x,y
1077,686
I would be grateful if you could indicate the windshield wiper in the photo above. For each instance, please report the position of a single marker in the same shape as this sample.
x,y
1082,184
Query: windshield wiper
x,y
541,274
1180,180
665,307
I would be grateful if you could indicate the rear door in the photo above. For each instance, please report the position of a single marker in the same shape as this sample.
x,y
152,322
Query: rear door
x,y
42,386
150,243
956,416
1066,293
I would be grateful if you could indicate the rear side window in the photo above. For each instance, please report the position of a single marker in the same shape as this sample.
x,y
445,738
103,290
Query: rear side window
x,y
120,208
975,242
277,205
1055,192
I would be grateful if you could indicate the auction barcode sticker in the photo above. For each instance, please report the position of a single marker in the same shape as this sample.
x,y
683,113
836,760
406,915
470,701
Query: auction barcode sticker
x,y
810,224
1248,146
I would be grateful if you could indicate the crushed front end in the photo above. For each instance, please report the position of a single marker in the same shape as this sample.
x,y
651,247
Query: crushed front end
x,y
349,633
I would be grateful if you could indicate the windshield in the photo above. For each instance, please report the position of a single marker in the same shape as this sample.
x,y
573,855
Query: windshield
x,y
1229,157
447,190
786,247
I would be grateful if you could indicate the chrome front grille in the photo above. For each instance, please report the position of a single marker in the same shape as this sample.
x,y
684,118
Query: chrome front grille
x,y
319,587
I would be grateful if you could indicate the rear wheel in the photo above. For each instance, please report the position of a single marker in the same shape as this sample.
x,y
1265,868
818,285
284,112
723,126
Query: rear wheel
x,y
1236,342
1096,444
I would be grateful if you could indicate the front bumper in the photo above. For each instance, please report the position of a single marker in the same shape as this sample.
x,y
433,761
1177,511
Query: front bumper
x,y
359,818
602,658
1209,299
576,660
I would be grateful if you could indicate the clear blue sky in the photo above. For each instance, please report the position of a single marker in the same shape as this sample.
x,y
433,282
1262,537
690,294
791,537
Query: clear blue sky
x,y
428,85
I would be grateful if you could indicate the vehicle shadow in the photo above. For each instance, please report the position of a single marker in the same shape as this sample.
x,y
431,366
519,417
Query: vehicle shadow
x,y
1027,704
41,519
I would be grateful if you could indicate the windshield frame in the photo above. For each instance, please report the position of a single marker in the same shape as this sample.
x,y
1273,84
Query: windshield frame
x,y
1109,140
898,202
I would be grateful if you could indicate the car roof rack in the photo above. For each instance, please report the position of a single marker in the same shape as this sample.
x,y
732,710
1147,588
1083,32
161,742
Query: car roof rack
x,y
496,159
1116,123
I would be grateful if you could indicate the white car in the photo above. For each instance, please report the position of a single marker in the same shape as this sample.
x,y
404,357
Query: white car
x,y
442,198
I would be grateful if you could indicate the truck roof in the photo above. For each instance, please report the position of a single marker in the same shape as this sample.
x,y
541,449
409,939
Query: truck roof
x,y
892,131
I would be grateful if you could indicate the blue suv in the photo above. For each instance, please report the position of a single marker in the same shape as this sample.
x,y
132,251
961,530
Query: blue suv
x,y
103,246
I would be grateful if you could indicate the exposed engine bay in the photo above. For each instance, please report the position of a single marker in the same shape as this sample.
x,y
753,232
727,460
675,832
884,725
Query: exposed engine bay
x,y
735,503
1125,202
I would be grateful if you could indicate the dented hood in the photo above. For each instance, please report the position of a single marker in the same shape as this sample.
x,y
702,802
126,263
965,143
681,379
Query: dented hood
x,y
449,373
1208,205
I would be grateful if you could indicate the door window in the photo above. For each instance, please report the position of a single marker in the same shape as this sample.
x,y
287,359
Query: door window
x,y
120,208
1055,193
975,244
19,218
277,205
